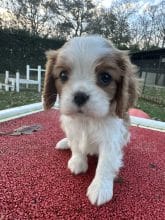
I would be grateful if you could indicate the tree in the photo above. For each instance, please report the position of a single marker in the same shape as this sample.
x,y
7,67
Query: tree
x,y
160,23
74,16
31,15
107,24
148,29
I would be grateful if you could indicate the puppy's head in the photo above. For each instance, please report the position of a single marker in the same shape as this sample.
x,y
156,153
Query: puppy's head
x,y
92,77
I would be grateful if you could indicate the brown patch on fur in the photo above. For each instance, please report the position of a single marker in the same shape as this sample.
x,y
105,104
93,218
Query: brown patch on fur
x,y
127,92
123,89
62,64
52,84
50,91
108,64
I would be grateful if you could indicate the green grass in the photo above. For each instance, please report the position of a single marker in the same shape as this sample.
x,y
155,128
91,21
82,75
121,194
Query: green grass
x,y
13,99
154,91
155,111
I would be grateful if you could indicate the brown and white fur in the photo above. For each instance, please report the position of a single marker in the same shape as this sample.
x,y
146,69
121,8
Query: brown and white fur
x,y
96,85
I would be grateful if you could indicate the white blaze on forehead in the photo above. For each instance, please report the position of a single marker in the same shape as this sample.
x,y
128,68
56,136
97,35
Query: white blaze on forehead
x,y
84,51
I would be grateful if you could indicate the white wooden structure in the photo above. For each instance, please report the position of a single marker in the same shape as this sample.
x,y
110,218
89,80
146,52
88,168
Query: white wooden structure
x,y
39,70
6,84
14,83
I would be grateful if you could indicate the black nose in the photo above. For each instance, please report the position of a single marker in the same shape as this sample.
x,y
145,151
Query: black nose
x,y
80,98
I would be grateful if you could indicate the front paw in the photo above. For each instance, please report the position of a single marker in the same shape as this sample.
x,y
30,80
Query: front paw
x,y
78,164
62,144
100,191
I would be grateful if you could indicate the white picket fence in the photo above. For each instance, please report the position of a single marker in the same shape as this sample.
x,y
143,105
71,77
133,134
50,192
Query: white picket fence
x,y
6,84
14,83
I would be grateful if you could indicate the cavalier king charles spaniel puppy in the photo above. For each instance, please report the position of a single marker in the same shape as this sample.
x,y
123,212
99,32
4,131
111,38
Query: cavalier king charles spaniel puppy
x,y
96,85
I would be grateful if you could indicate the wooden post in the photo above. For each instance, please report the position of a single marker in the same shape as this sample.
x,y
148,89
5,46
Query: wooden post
x,y
39,78
13,85
6,81
27,75
145,79
17,81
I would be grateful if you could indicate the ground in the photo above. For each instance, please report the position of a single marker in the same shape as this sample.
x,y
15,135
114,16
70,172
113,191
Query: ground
x,y
36,184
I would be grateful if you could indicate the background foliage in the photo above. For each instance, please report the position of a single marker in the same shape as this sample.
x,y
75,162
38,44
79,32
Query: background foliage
x,y
30,27
130,24
19,48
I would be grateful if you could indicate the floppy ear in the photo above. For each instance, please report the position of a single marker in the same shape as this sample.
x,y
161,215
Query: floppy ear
x,y
50,91
127,89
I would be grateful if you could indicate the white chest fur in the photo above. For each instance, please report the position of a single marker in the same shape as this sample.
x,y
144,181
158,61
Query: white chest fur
x,y
90,133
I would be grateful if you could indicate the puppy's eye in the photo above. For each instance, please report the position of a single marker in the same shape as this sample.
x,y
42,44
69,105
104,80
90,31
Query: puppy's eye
x,y
104,79
63,76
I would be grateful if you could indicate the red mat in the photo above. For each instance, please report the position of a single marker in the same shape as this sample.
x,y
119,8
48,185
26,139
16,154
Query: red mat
x,y
36,184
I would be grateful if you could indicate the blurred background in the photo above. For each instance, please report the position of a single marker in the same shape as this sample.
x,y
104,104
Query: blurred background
x,y
30,27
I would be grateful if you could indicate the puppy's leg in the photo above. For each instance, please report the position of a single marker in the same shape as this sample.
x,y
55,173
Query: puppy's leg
x,y
101,188
63,144
78,161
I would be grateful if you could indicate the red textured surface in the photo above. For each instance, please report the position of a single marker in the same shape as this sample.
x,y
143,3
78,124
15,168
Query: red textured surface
x,y
36,184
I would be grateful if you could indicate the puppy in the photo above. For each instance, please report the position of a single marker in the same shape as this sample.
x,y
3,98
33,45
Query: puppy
x,y
96,85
